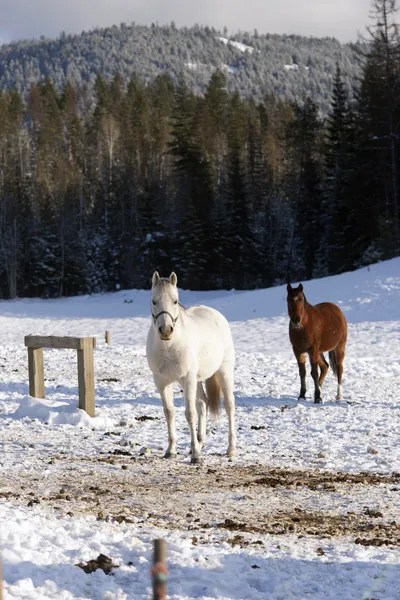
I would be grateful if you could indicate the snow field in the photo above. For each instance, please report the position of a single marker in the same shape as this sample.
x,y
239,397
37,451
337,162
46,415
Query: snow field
x,y
41,543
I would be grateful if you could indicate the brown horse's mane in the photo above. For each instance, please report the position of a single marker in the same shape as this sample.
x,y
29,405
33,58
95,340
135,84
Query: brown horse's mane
x,y
306,303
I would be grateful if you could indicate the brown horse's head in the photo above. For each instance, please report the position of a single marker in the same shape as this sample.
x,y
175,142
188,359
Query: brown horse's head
x,y
296,305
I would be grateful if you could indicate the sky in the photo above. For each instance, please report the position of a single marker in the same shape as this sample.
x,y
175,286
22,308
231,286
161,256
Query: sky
x,y
343,19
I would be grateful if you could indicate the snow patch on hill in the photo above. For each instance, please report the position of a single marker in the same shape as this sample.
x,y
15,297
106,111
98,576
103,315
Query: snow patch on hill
x,y
238,45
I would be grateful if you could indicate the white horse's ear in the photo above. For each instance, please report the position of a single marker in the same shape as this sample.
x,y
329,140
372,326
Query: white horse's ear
x,y
173,278
155,279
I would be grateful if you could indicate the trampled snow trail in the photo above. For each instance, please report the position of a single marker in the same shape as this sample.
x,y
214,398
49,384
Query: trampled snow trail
x,y
266,527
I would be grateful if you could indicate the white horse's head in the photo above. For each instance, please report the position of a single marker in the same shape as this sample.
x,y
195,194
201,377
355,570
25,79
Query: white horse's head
x,y
164,304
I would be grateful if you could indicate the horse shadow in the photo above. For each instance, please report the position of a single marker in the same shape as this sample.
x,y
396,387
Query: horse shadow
x,y
66,397
285,402
106,396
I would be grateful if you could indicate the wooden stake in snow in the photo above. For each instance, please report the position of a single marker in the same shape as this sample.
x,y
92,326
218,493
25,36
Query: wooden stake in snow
x,y
159,570
108,338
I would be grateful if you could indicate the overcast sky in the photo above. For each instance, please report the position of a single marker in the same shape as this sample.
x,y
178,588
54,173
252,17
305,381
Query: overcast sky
x,y
342,19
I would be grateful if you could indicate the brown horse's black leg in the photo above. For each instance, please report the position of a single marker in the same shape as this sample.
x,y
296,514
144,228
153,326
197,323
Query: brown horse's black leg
x,y
314,359
301,361
324,366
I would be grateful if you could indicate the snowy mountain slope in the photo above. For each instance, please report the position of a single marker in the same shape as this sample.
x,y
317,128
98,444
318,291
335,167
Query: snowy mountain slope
x,y
253,62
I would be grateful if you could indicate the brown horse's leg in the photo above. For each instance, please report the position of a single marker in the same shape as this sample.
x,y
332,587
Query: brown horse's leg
x,y
301,361
314,360
339,352
323,365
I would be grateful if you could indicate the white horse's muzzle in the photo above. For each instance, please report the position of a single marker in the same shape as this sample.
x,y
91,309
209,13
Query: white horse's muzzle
x,y
165,332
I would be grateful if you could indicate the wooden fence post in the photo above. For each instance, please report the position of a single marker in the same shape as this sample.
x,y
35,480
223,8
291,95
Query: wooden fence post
x,y
84,347
107,337
159,570
86,376
36,372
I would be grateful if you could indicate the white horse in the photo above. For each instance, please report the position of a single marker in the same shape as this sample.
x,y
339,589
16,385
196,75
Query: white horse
x,y
190,346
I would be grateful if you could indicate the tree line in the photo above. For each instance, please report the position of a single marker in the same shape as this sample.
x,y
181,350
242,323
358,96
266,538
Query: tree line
x,y
228,191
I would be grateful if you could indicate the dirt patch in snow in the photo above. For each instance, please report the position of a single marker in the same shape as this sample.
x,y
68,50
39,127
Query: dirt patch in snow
x,y
236,503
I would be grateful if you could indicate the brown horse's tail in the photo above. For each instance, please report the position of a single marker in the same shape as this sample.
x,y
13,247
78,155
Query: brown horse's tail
x,y
213,390
332,361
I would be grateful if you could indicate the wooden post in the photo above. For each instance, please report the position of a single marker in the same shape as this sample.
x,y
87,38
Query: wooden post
x,y
108,339
36,372
86,376
159,570
55,341
84,347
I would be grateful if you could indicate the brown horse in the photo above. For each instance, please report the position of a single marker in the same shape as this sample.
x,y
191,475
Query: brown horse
x,y
314,330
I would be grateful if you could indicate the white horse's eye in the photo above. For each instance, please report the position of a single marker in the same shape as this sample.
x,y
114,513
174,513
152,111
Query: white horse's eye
x,y
154,302
175,301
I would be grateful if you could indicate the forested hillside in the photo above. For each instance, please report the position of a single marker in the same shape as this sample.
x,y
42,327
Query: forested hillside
x,y
292,67
98,190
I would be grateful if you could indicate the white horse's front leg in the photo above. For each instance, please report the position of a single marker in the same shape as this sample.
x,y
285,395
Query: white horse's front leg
x,y
167,397
190,389
201,405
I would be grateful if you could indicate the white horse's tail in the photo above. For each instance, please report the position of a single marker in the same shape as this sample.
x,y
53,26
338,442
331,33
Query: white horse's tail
x,y
213,390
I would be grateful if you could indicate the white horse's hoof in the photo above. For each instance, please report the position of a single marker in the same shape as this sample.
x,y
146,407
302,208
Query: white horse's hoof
x,y
339,397
169,454
196,460
231,452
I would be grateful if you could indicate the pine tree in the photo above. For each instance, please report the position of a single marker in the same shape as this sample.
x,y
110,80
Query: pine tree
x,y
306,192
194,191
375,210
12,169
153,244
336,252
214,123
259,190
241,252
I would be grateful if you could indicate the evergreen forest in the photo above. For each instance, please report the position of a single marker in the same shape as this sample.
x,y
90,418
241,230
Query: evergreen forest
x,y
100,187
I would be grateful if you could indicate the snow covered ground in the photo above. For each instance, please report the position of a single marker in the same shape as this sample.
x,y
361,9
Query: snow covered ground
x,y
309,508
